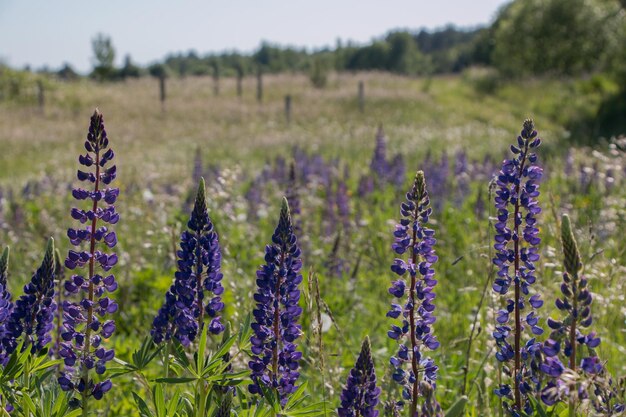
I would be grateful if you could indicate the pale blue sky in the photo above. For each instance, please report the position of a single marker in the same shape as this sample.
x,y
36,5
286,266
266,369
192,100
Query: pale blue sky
x,y
50,32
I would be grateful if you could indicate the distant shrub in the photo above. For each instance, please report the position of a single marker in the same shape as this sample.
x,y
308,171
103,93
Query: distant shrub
x,y
318,74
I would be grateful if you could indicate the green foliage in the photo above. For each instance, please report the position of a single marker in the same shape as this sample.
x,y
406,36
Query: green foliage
x,y
404,57
556,37
129,70
451,116
28,383
456,410
19,86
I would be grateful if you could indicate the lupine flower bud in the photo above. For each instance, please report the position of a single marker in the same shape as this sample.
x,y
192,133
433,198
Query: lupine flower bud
x,y
360,396
182,314
33,312
572,260
516,241
414,334
85,325
275,359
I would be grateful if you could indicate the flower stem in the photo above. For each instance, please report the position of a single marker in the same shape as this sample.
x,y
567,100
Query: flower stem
x,y
277,320
92,250
516,250
199,284
414,345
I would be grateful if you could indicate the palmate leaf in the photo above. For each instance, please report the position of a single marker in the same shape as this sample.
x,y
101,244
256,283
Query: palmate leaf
x,y
180,355
145,354
140,359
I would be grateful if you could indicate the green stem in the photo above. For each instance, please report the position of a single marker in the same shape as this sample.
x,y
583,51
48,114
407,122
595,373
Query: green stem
x,y
200,389
26,386
166,363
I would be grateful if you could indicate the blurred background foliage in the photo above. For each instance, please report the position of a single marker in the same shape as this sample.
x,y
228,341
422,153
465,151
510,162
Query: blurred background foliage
x,y
529,38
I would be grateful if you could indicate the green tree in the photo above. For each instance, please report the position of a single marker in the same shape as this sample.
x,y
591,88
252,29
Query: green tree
x,y
104,57
557,37
404,57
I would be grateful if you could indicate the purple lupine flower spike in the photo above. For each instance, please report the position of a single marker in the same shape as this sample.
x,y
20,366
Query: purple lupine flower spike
x,y
414,334
379,165
182,313
6,304
275,359
566,338
85,325
360,396
516,244
33,312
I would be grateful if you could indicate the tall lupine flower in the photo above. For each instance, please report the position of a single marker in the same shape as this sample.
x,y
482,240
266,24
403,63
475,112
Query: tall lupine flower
x,y
516,242
6,303
84,322
342,199
360,396
379,165
414,335
182,313
275,359
5,296
33,313
576,304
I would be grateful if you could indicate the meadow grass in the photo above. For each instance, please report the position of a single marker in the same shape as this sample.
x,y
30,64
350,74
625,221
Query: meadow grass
x,y
155,148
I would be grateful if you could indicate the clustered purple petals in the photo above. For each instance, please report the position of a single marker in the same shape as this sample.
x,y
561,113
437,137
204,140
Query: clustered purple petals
x,y
182,313
516,254
6,304
84,322
382,170
417,313
33,313
275,359
360,396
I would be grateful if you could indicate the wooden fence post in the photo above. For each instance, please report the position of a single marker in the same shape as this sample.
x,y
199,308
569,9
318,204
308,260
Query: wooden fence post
x,y
288,109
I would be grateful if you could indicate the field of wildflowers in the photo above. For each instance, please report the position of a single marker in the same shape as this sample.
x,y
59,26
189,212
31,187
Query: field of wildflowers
x,y
253,257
